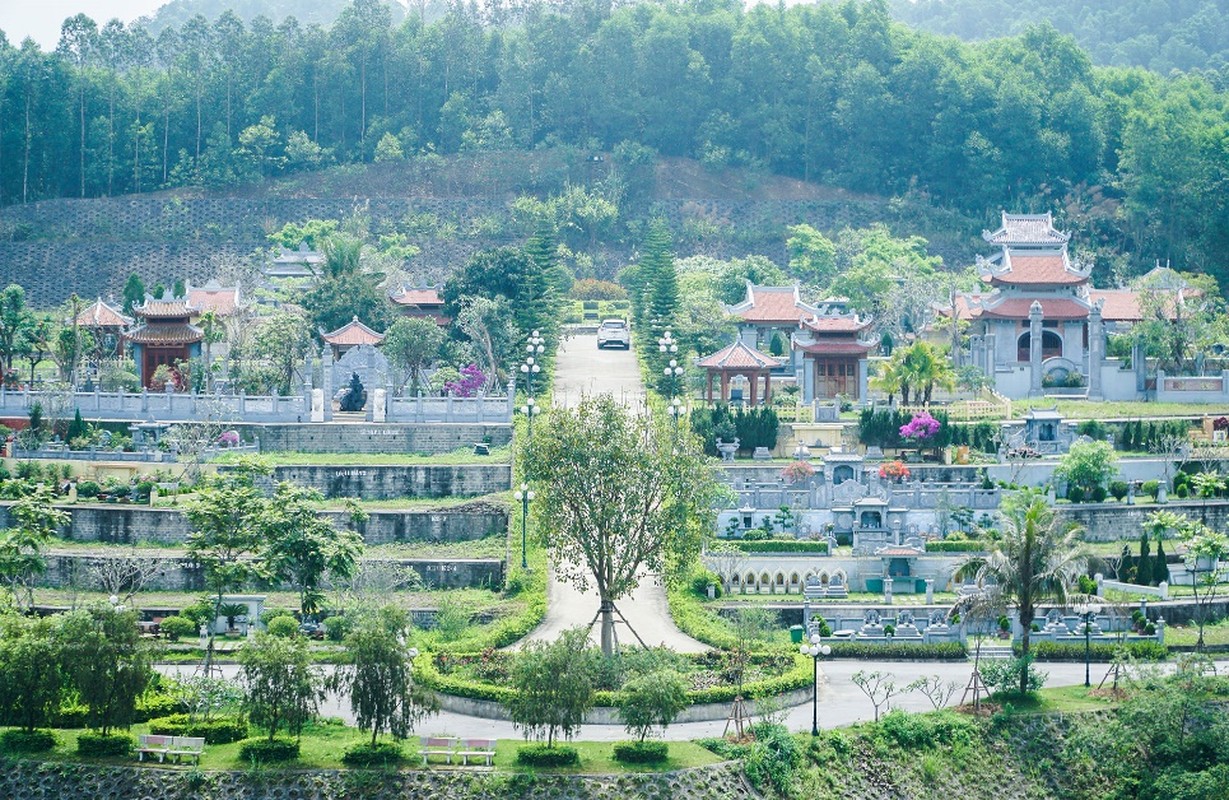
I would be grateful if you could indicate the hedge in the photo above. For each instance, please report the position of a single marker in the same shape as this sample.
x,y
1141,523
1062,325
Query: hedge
x,y
780,546
797,677
539,755
380,754
99,744
955,547
19,741
933,651
155,704
650,752
697,620
1099,651
219,730
263,750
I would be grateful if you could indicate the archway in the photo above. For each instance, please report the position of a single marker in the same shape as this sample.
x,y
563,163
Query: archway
x,y
1051,345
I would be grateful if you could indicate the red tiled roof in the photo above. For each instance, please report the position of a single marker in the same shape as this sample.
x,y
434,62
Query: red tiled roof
x,y
968,306
843,323
1119,305
165,334
769,304
102,315
162,309
835,347
738,355
220,301
1026,229
353,333
418,297
1048,269
1017,308
898,552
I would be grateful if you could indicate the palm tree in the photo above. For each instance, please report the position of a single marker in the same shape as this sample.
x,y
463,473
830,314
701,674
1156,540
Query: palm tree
x,y
889,380
924,367
1037,560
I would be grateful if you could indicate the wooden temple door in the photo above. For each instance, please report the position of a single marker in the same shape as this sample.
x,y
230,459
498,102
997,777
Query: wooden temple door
x,y
835,376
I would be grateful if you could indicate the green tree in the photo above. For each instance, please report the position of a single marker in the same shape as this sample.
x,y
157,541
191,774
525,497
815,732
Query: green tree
x,y
302,548
283,687
412,345
283,341
812,256
652,701
21,546
1143,573
1087,465
1037,560
109,665
1206,549
619,494
553,686
33,670
661,290
15,320
389,149
378,676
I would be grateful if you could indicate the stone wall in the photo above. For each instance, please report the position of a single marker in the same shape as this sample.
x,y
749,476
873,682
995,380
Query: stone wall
x,y
34,780
181,574
387,482
387,437
121,524
1111,522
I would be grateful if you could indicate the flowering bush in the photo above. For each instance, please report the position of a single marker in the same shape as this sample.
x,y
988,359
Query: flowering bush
x,y
1220,424
895,470
797,472
471,382
921,427
229,439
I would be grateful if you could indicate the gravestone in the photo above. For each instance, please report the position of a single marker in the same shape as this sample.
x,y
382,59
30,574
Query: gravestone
x,y
365,360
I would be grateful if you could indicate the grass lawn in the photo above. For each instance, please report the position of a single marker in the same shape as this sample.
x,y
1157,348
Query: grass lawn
x,y
465,455
323,744
1065,699
1116,409
472,600
1188,635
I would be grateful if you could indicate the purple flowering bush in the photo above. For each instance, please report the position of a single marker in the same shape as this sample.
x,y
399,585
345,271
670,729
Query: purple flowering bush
x,y
471,382
229,439
920,428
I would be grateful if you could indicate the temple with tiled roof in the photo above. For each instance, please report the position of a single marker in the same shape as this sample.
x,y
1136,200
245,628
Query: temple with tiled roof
x,y
735,363
164,335
106,323
770,314
223,301
833,356
353,334
422,301
1039,323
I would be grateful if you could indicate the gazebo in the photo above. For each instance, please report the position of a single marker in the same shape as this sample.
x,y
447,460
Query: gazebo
x,y
353,334
737,359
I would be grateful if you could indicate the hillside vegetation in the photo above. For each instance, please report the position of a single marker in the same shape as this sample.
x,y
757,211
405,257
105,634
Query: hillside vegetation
x,y
838,94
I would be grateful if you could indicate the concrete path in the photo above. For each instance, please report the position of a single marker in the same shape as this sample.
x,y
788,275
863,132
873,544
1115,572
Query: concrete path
x,y
583,370
840,701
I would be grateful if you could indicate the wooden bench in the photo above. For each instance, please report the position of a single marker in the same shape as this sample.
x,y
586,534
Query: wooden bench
x,y
477,748
437,746
154,743
187,746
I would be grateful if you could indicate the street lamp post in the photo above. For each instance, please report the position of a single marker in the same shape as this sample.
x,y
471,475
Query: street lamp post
x,y
523,496
815,649
531,409
1088,611
535,348
677,410
668,345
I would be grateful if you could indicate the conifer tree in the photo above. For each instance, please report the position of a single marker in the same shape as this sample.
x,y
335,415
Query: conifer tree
x,y
660,278
1143,572
1160,566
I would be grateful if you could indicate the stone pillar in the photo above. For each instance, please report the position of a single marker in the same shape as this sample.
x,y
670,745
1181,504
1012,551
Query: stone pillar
x,y
388,401
977,352
930,591
808,380
748,334
1096,351
376,410
307,393
1034,349
862,378
990,354
326,380
1139,363
317,405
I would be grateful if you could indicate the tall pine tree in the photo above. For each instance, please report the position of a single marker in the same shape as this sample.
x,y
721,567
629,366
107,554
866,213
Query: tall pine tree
x,y
1143,572
661,286
1160,566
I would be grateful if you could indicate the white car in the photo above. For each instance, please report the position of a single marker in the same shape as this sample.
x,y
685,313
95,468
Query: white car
x,y
614,333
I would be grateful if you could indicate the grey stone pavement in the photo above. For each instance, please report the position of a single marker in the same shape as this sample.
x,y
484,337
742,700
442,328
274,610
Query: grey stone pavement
x,y
583,370
840,702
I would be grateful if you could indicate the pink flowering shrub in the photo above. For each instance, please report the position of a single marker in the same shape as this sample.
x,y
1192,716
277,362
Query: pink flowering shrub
x,y
920,428
229,439
797,472
894,470
471,382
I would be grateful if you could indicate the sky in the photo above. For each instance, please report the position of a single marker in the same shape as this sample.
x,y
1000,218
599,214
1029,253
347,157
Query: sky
x,y
40,19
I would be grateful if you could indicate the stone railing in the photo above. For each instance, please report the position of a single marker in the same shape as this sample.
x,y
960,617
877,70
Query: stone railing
x,y
1192,388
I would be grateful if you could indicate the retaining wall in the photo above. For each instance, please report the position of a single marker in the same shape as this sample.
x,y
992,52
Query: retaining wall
x,y
120,524
385,437
371,482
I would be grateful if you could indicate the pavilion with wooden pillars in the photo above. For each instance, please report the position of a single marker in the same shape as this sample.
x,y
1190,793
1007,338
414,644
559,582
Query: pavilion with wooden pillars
x,y
737,359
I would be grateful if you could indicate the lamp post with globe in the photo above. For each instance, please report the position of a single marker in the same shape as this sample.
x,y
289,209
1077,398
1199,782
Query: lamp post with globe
x,y
815,648
1088,611
523,496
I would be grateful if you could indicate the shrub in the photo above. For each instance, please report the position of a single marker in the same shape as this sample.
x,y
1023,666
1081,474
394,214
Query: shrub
x,y
270,614
1063,651
949,545
1098,494
155,704
1119,489
176,627
380,754
780,546
1087,585
104,744
88,489
336,627
285,627
648,752
539,755
70,716
773,758
1150,488
1004,676
907,651
1182,492
218,730
266,750
19,741
926,731
1075,494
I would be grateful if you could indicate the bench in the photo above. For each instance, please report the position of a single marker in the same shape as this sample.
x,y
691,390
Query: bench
x,y
187,746
153,743
436,746
477,748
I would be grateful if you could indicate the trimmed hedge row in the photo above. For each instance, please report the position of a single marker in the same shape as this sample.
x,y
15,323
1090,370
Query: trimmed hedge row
x,y
104,744
798,677
265,750
510,629
381,754
221,730
16,740
647,752
539,755
932,651
1064,651
955,547
698,621
780,546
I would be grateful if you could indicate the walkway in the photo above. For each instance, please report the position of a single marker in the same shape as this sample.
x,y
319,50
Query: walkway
x,y
583,370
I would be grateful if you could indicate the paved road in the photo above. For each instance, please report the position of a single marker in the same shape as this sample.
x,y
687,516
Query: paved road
x,y
840,702
583,370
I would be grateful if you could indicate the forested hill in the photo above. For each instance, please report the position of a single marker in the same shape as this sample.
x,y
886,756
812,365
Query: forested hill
x,y
323,12
838,94
1162,35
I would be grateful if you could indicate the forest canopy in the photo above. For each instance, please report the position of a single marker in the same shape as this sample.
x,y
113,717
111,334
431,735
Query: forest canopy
x,y
835,93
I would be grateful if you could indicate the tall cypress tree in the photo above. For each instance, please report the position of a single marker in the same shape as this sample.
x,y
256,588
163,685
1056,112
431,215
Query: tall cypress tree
x,y
660,278
1126,570
1143,572
1160,566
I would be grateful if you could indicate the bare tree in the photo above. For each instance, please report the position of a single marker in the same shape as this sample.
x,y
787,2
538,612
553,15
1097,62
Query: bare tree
x,y
193,440
727,560
373,582
1172,449
124,576
879,687
936,690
